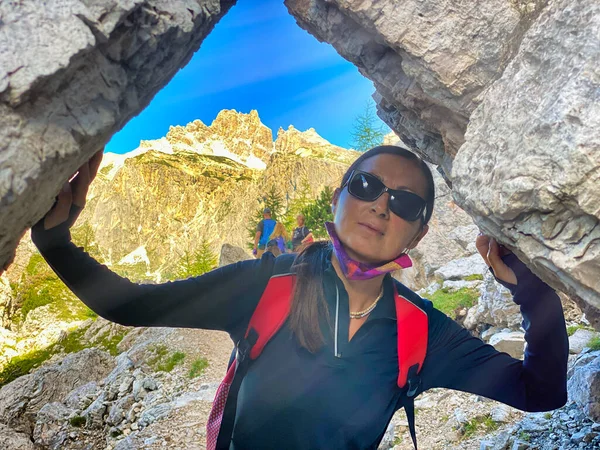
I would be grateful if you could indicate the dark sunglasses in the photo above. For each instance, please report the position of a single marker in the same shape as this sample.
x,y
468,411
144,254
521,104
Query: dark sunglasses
x,y
367,187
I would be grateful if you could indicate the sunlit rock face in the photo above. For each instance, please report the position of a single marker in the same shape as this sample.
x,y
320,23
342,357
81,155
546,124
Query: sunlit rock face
x,y
529,171
503,96
430,60
200,183
72,73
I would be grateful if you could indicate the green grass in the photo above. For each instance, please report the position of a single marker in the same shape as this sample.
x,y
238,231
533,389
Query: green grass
x,y
480,423
198,367
162,361
474,277
594,343
548,416
524,436
573,328
105,170
170,363
39,286
448,302
23,364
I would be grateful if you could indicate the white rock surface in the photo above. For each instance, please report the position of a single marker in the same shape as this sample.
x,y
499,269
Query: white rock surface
x,y
511,342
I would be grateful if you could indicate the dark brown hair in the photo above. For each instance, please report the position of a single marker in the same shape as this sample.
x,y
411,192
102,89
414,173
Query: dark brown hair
x,y
308,303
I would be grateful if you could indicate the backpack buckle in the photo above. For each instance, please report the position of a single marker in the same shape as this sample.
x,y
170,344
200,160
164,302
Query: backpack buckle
x,y
244,346
413,386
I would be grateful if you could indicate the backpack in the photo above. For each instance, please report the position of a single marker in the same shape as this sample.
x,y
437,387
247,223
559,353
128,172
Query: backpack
x,y
268,227
270,314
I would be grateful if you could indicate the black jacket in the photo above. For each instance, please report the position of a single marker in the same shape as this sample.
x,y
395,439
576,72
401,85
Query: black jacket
x,y
293,399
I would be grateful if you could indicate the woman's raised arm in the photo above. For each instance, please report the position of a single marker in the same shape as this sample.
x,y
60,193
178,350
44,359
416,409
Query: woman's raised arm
x,y
223,299
538,383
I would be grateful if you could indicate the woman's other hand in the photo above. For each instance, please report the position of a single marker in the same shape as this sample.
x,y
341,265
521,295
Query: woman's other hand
x,y
73,192
492,254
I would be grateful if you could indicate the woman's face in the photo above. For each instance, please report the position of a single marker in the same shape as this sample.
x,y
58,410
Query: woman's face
x,y
369,232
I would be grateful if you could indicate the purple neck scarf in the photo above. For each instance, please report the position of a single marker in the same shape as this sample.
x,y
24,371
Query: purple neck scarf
x,y
355,270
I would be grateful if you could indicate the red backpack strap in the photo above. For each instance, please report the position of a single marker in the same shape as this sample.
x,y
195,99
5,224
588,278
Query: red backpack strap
x,y
412,340
272,311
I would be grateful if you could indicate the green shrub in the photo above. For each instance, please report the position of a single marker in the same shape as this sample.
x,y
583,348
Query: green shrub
x,y
170,363
448,302
22,364
162,361
474,277
573,328
594,343
480,423
77,421
198,367
524,436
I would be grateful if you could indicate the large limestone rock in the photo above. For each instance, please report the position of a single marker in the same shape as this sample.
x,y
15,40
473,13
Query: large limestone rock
x,y
14,440
22,399
511,342
584,388
230,254
451,235
495,307
72,73
429,60
529,170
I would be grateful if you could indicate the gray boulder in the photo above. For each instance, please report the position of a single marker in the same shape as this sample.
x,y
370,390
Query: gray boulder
x,y
72,73
511,342
13,440
51,428
461,268
584,388
580,339
430,60
22,399
528,171
231,254
495,307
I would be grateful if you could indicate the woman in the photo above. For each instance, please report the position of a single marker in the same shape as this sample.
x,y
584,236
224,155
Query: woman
x,y
278,240
311,387
302,235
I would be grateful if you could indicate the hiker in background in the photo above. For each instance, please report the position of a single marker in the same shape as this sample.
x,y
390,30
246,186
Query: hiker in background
x,y
343,360
263,230
301,235
278,241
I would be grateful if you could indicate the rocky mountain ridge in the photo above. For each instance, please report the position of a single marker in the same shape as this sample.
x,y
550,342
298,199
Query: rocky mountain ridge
x,y
202,183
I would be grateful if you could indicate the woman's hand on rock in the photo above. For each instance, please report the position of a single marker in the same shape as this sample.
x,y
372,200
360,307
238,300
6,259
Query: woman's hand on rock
x,y
492,254
73,192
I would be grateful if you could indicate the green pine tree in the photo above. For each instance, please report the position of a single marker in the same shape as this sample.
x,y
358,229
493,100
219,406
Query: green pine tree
x,y
84,236
196,263
317,212
368,130
301,199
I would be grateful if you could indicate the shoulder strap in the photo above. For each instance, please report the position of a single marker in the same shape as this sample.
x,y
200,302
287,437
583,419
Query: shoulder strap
x,y
412,325
271,313
413,332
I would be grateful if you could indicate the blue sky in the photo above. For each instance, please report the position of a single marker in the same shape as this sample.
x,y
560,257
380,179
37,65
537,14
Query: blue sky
x,y
257,57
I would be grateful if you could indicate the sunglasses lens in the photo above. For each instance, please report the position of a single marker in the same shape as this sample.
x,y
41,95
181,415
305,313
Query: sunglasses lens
x,y
365,187
407,205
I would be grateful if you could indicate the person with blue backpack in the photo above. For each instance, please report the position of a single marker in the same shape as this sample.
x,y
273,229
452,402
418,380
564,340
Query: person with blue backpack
x,y
328,346
263,232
